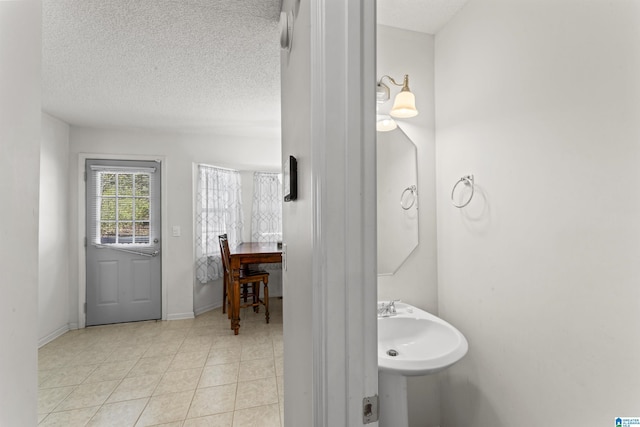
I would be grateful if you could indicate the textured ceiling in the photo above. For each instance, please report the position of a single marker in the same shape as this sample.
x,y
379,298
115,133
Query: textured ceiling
x,y
163,64
181,65
425,16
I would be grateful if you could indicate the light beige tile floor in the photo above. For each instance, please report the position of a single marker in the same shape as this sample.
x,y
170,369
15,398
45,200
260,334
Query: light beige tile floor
x,y
181,373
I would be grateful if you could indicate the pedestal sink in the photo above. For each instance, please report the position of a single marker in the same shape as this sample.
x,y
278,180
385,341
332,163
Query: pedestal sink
x,y
411,342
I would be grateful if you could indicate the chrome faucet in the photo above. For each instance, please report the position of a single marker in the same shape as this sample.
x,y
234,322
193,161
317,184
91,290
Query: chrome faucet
x,y
389,309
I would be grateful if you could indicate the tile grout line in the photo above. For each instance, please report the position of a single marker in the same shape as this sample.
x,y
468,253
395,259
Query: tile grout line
x,y
138,335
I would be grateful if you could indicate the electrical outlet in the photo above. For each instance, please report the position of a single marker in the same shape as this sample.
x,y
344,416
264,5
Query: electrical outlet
x,y
175,232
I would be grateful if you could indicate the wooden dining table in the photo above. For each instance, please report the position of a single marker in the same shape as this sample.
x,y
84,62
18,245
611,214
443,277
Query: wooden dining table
x,y
247,253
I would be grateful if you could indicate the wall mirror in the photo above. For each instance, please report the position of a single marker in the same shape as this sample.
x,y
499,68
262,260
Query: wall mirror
x,y
397,180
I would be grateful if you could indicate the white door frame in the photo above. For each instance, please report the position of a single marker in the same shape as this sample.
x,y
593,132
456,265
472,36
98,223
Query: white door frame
x,y
82,251
345,366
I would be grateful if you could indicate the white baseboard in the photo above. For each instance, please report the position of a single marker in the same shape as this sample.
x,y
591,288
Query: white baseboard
x,y
209,307
180,316
53,335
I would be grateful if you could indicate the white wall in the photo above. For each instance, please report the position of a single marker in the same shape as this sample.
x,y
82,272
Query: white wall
x,y
53,289
181,152
401,52
20,59
540,101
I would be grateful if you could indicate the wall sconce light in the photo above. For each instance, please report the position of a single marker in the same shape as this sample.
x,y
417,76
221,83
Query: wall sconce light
x,y
404,105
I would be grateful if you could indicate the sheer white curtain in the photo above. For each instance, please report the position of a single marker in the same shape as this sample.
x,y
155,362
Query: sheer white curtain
x,y
266,214
218,211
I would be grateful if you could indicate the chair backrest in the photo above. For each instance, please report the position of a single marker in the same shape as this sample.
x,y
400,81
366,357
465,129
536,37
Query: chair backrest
x,y
225,254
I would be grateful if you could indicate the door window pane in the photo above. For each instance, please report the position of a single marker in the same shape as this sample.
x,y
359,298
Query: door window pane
x,y
107,232
125,232
124,207
142,209
125,184
141,232
142,184
108,209
108,184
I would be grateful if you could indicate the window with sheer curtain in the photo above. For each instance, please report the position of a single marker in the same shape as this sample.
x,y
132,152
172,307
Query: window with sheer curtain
x,y
218,211
266,214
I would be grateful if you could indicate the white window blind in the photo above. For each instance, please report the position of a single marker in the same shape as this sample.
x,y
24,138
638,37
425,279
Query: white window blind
x,y
120,212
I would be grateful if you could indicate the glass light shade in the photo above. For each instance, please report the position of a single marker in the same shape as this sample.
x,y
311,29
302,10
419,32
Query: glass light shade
x,y
404,105
385,124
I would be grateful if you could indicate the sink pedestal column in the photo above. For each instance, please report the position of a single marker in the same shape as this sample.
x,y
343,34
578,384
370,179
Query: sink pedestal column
x,y
393,400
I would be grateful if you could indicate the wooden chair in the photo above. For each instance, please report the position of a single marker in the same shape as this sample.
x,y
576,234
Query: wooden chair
x,y
226,273
247,277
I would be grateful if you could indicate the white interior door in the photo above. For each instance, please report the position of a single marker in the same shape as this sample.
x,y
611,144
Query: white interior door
x,y
329,277
123,241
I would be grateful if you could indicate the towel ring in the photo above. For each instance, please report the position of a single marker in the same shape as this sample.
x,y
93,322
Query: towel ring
x,y
414,191
468,181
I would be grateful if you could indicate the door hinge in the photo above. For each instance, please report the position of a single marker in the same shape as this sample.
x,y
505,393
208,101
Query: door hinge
x,y
85,176
370,409
85,242
85,308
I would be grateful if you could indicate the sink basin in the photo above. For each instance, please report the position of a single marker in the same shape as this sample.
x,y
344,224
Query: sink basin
x,y
415,342
411,343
